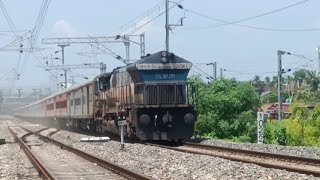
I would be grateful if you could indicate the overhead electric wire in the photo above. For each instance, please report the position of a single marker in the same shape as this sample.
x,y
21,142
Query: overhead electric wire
x,y
16,41
225,23
35,32
43,66
6,74
202,71
113,54
251,27
263,14
13,28
304,64
138,18
141,26
39,22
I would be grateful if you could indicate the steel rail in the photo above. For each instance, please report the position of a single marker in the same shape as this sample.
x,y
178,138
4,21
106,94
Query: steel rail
x,y
253,154
101,162
311,161
43,171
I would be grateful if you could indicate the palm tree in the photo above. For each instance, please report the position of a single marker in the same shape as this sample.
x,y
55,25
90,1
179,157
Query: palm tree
x,y
274,81
313,80
258,84
268,82
300,76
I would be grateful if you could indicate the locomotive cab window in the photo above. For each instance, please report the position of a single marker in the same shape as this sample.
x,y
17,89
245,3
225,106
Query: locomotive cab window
x,y
103,83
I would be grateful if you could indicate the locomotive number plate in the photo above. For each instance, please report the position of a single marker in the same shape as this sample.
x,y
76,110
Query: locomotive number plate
x,y
122,123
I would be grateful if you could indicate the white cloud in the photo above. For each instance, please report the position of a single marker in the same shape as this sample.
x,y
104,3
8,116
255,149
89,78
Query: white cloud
x,y
64,28
141,26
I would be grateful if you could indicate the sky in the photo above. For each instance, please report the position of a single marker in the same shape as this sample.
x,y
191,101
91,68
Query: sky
x,y
243,52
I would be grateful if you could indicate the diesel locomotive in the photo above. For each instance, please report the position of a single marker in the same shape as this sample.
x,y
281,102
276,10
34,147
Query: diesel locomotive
x,y
151,94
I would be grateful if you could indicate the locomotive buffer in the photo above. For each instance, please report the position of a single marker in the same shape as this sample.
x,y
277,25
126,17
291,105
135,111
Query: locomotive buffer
x,y
122,123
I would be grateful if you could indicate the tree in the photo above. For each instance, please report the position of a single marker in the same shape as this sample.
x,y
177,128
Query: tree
x,y
226,109
274,82
313,80
258,84
268,82
300,74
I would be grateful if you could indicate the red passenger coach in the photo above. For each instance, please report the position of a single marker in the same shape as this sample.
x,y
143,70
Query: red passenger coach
x,y
61,105
50,107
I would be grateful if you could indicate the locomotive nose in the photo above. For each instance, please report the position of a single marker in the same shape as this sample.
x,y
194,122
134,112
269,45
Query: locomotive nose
x,y
189,119
144,120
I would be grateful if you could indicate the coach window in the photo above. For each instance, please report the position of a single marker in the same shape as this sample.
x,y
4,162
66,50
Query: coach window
x,y
77,102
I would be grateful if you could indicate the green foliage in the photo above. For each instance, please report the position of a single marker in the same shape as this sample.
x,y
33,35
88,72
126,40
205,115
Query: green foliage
x,y
301,129
281,136
226,109
273,97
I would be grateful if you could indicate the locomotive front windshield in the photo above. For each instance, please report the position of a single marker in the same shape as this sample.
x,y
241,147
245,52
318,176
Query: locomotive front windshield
x,y
162,87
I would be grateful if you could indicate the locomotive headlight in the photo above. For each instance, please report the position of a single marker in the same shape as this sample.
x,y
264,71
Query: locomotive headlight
x,y
164,54
164,60
144,120
189,119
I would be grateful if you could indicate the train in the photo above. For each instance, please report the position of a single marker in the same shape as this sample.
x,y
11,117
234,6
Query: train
x,y
152,95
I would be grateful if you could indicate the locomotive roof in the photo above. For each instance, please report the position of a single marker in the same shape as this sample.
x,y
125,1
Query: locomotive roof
x,y
156,59
102,75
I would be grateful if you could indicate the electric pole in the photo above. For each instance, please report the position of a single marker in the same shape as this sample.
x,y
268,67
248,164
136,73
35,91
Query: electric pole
x,y
167,25
318,50
280,53
280,72
214,70
221,73
65,71
19,93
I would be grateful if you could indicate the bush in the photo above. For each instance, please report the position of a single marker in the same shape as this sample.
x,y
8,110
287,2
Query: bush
x,y
226,109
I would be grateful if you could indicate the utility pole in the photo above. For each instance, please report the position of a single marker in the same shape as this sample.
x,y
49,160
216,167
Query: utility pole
x,y
103,68
65,71
214,70
221,73
280,53
62,51
167,25
318,50
19,93
34,93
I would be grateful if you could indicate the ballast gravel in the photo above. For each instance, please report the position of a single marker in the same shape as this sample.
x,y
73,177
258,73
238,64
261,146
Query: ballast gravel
x,y
301,151
13,162
160,163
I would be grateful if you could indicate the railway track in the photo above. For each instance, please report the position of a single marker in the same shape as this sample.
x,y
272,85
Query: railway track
x,y
115,171
302,165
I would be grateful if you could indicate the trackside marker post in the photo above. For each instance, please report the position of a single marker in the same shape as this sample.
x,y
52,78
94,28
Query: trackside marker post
x,y
122,123
260,121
